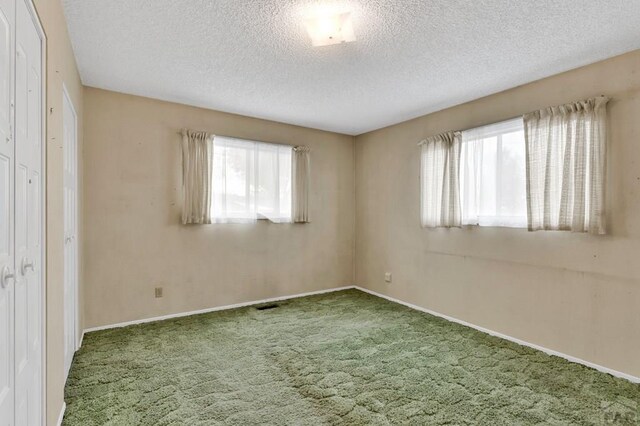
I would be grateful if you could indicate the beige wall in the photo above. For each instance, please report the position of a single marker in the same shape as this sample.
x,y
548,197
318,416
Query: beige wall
x,y
61,69
134,241
575,293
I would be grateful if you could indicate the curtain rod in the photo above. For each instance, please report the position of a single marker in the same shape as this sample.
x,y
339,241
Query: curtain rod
x,y
181,133
496,122
489,124
469,128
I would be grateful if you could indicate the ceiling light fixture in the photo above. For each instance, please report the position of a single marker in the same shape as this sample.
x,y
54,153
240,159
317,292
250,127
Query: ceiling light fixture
x,y
326,30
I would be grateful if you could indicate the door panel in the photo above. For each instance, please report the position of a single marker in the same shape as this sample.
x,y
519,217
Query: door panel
x,y
21,294
7,152
28,304
20,216
6,205
70,229
6,66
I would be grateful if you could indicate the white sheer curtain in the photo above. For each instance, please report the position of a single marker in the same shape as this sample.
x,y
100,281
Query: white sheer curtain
x,y
566,147
301,177
440,181
492,175
197,149
251,180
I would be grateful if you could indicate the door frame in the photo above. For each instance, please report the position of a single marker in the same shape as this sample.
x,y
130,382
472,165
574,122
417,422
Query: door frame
x,y
66,97
43,207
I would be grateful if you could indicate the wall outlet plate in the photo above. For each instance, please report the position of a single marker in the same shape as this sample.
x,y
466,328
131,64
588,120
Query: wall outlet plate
x,y
387,277
158,292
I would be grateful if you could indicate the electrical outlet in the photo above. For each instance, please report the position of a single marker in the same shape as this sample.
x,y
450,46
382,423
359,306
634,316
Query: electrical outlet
x,y
158,292
387,277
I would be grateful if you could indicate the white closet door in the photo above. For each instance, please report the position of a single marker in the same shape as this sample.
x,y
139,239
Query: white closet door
x,y
7,388
70,230
28,104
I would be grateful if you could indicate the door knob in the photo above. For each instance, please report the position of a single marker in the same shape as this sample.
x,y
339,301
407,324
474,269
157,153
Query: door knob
x,y
5,276
26,264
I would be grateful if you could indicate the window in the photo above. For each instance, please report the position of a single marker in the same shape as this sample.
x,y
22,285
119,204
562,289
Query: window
x,y
251,180
493,175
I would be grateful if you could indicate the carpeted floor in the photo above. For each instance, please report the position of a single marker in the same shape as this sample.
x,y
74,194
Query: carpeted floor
x,y
340,358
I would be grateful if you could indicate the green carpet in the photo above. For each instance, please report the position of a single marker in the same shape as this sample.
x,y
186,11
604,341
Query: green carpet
x,y
339,358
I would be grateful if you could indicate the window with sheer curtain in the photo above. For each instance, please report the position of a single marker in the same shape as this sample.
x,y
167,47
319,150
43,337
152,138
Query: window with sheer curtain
x,y
493,189
251,181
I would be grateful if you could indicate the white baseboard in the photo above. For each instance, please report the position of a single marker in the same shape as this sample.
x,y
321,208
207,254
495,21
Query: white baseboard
x,y
504,336
81,339
391,299
61,416
218,308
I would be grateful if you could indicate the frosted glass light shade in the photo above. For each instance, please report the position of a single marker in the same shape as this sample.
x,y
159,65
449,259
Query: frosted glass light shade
x,y
330,29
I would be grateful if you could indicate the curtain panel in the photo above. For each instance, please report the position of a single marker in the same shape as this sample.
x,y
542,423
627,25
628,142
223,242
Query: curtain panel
x,y
440,180
566,157
301,177
197,153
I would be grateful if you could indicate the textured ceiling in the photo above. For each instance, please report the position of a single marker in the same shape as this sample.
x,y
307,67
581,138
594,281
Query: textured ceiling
x,y
411,57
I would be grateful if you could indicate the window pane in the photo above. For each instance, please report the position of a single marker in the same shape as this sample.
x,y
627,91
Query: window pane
x,y
267,182
251,180
513,200
488,177
492,172
231,181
